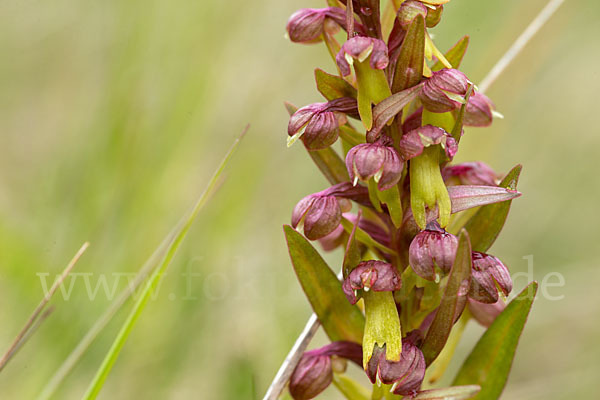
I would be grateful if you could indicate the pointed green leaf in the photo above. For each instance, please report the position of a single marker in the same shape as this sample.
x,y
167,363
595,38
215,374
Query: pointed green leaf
x,y
339,318
409,67
489,363
327,160
485,226
455,54
332,86
453,301
450,393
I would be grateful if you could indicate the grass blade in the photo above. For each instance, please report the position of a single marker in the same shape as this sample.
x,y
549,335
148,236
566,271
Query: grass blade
x,y
113,353
24,333
69,363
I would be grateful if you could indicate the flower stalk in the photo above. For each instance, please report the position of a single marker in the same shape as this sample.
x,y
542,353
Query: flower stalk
x,y
410,278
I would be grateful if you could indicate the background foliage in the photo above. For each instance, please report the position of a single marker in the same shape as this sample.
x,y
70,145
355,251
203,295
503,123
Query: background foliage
x,y
113,114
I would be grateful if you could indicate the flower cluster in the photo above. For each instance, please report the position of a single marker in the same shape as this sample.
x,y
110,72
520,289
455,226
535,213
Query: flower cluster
x,y
421,220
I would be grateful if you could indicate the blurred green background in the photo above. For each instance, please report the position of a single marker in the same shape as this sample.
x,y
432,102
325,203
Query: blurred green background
x,y
113,115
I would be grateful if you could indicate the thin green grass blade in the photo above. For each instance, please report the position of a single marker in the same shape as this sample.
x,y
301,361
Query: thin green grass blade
x,y
86,341
113,353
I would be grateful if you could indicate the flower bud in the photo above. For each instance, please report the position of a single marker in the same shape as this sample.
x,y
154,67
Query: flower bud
x,y
360,48
377,160
312,375
415,141
479,110
444,91
318,124
321,212
376,275
470,173
306,25
487,276
405,375
409,10
314,372
430,248
484,313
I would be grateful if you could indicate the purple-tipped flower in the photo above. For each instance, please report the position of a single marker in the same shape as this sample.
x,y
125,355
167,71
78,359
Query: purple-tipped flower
x,y
409,10
360,48
373,275
377,160
470,173
414,142
405,375
485,313
318,124
487,276
321,212
479,110
312,375
314,372
306,25
444,91
432,247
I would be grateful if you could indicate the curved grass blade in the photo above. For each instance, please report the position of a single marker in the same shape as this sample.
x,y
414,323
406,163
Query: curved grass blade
x,y
485,226
27,331
340,320
113,353
73,358
489,363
